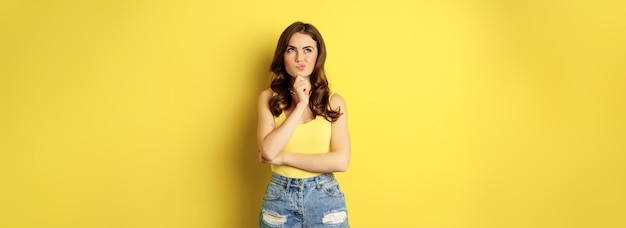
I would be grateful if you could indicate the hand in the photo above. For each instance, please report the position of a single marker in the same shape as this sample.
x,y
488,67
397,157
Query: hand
x,y
302,89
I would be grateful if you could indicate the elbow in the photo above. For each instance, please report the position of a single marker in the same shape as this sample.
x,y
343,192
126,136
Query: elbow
x,y
342,164
267,153
342,168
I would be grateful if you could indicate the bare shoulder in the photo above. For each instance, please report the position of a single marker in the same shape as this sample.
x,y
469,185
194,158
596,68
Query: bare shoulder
x,y
337,101
265,95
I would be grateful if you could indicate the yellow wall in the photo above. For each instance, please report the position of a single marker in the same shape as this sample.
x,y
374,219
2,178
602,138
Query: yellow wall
x,y
462,113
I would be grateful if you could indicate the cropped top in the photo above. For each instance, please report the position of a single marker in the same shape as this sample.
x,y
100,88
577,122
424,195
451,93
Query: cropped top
x,y
312,137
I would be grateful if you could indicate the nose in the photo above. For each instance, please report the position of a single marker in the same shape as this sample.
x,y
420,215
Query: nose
x,y
299,57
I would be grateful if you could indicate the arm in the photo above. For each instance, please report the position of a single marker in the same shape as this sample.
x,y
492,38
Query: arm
x,y
271,140
337,159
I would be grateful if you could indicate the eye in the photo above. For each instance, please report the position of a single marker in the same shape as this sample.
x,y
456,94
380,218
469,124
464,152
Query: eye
x,y
291,49
307,50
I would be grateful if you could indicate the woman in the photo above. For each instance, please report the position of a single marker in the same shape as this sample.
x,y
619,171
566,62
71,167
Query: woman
x,y
303,133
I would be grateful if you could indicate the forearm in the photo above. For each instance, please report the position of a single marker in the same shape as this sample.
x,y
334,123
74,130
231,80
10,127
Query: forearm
x,y
274,142
318,163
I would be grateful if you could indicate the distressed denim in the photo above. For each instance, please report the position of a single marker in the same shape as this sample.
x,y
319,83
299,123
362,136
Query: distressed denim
x,y
303,202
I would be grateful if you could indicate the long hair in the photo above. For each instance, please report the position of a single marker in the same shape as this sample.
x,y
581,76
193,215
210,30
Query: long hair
x,y
281,81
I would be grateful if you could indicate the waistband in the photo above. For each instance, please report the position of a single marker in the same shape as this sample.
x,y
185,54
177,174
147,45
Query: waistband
x,y
320,180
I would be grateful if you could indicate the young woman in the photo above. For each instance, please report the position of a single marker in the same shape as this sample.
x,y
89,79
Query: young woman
x,y
303,133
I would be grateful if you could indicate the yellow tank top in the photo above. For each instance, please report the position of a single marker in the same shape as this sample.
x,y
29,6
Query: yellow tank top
x,y
312,137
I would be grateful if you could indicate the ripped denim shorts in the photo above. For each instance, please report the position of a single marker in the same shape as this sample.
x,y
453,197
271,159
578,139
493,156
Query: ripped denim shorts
x,y
303,202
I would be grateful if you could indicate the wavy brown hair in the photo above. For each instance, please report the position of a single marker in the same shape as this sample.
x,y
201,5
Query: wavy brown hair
x,y
281,80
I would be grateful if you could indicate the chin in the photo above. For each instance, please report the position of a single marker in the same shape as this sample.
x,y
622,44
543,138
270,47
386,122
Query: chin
x,y
303,74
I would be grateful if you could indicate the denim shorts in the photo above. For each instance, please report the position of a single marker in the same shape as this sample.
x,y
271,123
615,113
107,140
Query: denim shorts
x,y
303,202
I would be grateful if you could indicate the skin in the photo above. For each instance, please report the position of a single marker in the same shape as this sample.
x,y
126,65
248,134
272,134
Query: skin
x,y
299,61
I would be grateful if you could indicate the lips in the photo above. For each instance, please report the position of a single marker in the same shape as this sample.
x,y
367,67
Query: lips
x,y
301,67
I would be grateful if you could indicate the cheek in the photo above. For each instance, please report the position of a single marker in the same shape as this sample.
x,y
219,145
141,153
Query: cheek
x,y
311,59
288,61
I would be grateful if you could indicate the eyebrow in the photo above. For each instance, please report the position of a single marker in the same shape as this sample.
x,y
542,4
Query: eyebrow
x,y
289,45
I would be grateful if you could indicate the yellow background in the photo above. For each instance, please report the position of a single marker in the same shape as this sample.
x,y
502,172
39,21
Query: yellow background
x,y
462,113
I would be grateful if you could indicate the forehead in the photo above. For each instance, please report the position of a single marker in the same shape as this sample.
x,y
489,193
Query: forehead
x,y
302,40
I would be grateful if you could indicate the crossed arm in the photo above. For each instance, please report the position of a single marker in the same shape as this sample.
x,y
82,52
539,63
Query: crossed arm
x,y
272,140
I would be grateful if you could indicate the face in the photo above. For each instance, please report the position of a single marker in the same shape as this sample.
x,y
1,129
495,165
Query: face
x,y
301,55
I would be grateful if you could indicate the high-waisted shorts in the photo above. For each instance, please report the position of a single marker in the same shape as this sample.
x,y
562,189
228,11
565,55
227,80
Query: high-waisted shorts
x,y
303,202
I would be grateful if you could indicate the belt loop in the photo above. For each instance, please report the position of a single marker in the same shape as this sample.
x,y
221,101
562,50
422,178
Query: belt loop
x,y
287,184
317,182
